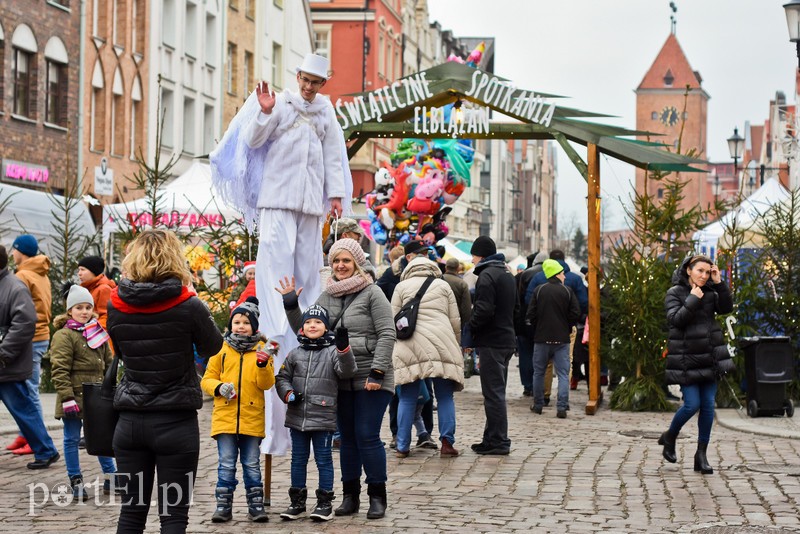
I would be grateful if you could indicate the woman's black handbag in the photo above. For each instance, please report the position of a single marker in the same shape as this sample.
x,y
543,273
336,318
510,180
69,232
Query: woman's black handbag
x,y
99,416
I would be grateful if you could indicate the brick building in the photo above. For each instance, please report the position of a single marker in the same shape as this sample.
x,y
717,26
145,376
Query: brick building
x,y
240,57
663,106
39,87
115,96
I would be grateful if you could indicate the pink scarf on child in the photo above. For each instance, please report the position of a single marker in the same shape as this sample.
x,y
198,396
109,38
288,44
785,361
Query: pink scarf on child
x,y
94,334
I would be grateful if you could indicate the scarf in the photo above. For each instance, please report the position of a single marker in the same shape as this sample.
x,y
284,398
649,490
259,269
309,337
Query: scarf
x,y
348,286
242,343
94,334
316,344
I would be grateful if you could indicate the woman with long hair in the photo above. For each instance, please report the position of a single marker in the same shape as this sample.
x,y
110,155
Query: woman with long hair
x,y
355,303
696,352
154,321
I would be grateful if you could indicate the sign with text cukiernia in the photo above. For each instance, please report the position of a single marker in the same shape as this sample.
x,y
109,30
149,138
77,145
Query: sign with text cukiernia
x,y
22,172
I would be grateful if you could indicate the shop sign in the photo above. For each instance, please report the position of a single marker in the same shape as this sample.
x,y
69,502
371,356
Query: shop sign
x,y
17,172
175,219
103,179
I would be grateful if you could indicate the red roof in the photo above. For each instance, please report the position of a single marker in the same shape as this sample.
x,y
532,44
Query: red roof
x,y
671,62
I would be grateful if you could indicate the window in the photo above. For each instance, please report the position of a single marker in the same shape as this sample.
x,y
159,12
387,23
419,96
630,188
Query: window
x,y
137,117
117,115
190,30
167,110
119,22
21,67
62,3
56,94
321,43
211,40
381,57
137,33
250,9
98,109
397,65
168,23
231,72
660,193
277,65
100,18
654,115
389,55
208,128
248,72
188,126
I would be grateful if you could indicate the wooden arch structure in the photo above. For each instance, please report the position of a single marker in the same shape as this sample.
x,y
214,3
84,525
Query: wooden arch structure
x,y
389,112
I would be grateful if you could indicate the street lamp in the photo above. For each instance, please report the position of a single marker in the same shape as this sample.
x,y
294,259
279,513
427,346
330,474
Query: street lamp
x,y
793,22
736,145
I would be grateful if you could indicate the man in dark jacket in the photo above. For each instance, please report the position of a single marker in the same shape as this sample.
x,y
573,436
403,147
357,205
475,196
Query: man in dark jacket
x,y
524,344
492,326
17,326
552,312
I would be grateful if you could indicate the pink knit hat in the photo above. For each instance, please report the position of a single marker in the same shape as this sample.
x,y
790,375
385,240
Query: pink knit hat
x,y
351,246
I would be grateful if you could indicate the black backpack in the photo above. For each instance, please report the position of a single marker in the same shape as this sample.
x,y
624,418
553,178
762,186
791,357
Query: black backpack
x,y
405,322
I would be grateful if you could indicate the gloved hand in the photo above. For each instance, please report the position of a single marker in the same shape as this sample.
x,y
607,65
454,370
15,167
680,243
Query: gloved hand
x,y
342,340
271,348
294,398
227,390
262,358
71,409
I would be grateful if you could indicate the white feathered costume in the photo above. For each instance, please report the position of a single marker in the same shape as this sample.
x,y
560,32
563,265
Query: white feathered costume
x,y
281,170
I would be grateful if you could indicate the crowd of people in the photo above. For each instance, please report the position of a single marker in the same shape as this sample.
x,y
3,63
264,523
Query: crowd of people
x,y
336,352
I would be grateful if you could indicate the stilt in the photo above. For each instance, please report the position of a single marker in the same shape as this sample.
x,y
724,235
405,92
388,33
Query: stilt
x,y
267,479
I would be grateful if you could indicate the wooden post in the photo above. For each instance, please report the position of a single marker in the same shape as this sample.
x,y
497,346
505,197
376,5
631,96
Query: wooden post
x,y
267,479
593,206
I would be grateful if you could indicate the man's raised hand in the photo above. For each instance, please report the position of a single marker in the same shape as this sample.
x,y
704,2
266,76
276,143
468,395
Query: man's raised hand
x,y
266,97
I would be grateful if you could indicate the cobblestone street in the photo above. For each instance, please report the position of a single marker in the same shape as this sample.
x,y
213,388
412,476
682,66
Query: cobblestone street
x,y
575,475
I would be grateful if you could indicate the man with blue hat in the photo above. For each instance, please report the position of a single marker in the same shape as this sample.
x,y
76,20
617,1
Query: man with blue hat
x,y
552,312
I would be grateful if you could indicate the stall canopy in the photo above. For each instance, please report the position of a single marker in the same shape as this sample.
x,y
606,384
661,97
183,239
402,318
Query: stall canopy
x,y
31,212
451,250
187,202
744,216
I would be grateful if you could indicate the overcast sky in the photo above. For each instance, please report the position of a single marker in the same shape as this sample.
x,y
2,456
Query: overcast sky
x,y
596,53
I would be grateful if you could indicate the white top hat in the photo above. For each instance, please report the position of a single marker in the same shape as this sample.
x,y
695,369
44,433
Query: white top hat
x,y
316,65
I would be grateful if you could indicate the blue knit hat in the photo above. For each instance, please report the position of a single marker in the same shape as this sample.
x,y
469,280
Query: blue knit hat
x,y
315,311
26,244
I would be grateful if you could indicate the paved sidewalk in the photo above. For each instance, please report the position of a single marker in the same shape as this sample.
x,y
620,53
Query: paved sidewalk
x,y
582,474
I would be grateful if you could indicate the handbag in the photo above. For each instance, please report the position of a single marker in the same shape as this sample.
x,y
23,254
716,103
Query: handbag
x,y
405,321
99,416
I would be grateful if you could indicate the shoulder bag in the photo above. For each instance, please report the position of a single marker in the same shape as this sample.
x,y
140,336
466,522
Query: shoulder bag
x,y
405,321
99,416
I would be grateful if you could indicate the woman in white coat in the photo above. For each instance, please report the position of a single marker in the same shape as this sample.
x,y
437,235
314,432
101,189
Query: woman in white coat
x,y
433,351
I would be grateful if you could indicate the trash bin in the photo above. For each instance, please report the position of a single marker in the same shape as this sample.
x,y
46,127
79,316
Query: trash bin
x,y
769,366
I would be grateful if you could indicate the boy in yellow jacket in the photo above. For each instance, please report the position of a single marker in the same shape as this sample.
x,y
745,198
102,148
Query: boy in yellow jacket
x,y
237,377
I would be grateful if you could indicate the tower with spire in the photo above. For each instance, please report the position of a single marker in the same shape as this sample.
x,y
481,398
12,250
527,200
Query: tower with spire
x,y
669,99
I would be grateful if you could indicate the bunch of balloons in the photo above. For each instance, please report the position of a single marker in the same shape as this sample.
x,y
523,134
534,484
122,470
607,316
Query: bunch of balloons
x,y
413,195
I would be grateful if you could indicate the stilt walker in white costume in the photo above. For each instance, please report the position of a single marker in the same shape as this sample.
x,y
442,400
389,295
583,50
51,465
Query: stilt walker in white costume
x,y
283,163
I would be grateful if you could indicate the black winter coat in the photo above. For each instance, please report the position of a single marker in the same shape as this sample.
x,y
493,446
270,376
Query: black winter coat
x,y
155,329
696,341
552,312
492,319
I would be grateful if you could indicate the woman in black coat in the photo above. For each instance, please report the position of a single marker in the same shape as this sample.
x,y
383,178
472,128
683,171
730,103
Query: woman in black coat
x,y
696,350
155,320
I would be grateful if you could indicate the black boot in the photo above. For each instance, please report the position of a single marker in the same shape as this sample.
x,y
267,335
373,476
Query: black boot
x,y
78,489
224,510
298,505
377,500
700,460
255,505
351,498
324,509
667,439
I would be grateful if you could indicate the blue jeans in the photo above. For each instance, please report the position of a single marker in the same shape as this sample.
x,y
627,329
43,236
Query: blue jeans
x,y
360,417
406,411
542,352
696,397
72,434
39,348
17,398
525,353
301,450
247,448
